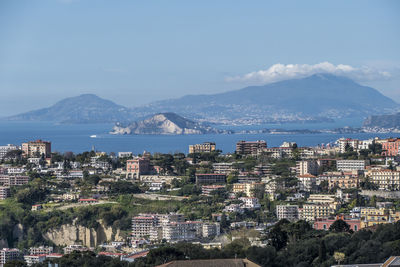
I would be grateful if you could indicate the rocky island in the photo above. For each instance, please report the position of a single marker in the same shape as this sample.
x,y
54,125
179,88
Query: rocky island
x,y
164,123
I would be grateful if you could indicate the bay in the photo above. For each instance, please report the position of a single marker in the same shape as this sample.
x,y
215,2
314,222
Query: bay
x,y
76,137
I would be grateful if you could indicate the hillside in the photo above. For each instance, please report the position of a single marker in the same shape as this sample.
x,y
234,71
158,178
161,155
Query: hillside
x,y
383,121
86,108
163,123
318,97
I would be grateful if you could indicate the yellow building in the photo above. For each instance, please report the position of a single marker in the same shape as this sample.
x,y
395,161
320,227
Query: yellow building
x,y
385,179
312,211
373,216
202,148
249,189
35,149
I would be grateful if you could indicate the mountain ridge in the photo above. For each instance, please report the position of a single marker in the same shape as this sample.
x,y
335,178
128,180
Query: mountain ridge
x,y
319,97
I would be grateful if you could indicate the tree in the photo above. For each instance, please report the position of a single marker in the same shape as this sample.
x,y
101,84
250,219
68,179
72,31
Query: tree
x,y
339,257
339,226
278,237
322,252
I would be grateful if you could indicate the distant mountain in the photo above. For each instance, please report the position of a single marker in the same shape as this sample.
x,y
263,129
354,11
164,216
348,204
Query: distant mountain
x,y
383,121
317,97
320,97
86,108
164,123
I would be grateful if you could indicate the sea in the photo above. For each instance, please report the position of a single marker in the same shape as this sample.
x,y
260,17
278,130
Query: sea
x,y
85,137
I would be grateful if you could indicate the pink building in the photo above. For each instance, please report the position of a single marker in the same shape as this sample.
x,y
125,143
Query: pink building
x,y
136,167
324,224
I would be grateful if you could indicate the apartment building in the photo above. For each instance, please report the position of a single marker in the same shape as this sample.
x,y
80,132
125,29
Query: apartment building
x,y
136,167
311,211
223,168
36,148
371,216
179,231
307,182
250,147
288,212
277,152
211,230
4,192
143,224
11,180
391,147
5,149
210,178
249,189
250,203
9,254
306,167
341,180
34,259
350,165
208,189
125,154
206,147
386,179
324,199
344,142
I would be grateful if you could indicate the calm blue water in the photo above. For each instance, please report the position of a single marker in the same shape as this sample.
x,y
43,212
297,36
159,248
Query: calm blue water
x,y
76,138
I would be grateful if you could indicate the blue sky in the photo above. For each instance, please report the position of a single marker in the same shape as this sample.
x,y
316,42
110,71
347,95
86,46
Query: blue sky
x,y
134,52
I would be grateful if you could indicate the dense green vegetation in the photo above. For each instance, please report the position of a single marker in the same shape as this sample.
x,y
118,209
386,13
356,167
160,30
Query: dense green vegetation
x,y
292,244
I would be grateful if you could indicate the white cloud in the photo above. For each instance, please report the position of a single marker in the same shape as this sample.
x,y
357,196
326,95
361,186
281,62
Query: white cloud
x,y
279,72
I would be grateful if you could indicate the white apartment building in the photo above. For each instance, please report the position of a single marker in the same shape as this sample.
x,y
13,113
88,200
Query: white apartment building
x,y
289,212
250,203
4,192
33,259
211,230
223,168
178,231
343,142
9,254
5,149
124,154
306,167
306,182
350,165
40,250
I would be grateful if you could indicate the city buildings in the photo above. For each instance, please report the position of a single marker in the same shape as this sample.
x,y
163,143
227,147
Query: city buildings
x,y
250,147
288,212
4,192
5,149
385,179
306,167
324,224
37,149
391,147
350,165
210,178
206,147
9,254
136,167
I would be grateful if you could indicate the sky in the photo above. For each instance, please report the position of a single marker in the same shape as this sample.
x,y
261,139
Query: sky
x,y
136,52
